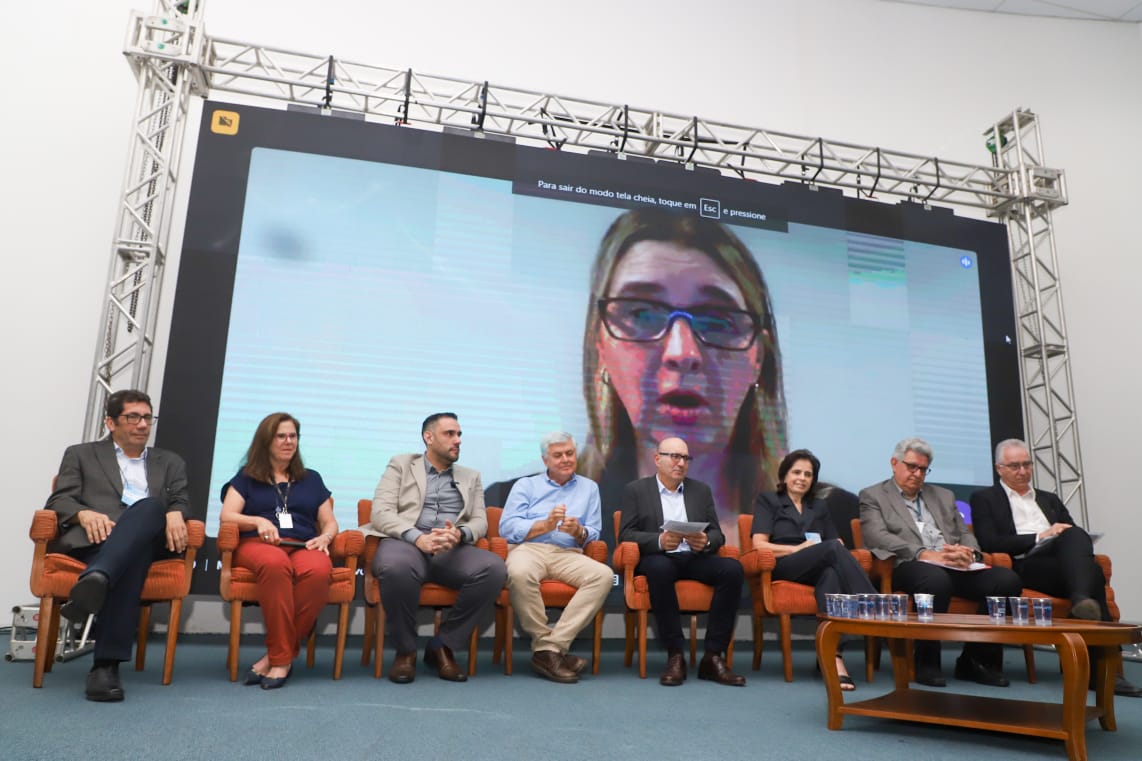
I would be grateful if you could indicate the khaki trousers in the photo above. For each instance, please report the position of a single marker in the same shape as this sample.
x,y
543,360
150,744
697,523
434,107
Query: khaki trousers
x,y
532,562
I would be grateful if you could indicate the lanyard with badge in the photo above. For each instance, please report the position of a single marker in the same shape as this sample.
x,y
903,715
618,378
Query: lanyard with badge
x,y
285,520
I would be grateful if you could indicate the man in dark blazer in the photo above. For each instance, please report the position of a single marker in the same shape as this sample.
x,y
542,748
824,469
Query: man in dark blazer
x,y
918,526
668,556
1049,552
120,506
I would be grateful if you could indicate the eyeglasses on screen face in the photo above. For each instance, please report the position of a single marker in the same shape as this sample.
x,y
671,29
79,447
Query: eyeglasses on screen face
x,y
644,320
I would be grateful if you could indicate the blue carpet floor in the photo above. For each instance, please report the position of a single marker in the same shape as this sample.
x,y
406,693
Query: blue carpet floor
x,y
615,715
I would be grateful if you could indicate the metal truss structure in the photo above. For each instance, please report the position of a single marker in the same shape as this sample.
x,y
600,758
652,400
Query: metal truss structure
x,y
174,59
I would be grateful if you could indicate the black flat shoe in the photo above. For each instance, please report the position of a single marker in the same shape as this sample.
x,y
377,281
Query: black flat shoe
x,y
252,677
86,597
103,684
275,682
847,683
971,670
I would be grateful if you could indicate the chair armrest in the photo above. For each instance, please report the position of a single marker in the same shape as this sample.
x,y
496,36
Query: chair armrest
x,y
726,551
596,551
997,559
864,557
757,561
498,545
45,526
195,534
881,570
348,545
227,536
626,556
1104,563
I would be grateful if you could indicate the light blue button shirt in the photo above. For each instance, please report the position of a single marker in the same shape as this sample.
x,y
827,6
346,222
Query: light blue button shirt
x,y
673,508
532,499
134,473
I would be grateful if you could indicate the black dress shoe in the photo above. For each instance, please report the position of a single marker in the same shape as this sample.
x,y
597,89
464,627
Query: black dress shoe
x,y
971,670
675,672
1087,609
86,597
574,663
713,668
275,682
252,677
403,668
549,665
441,659
930,676
103,684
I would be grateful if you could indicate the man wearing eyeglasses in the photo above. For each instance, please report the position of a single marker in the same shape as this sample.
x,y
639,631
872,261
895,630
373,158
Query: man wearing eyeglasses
x,y
653,509
120,505
1049,552
917,525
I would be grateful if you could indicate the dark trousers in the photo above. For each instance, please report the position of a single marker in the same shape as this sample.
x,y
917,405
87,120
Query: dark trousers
x,y
402,569
138,538
915,576
723,574
1066,568
828,567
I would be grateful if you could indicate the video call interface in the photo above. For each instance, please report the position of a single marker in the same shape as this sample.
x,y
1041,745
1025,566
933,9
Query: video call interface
x,y
361,276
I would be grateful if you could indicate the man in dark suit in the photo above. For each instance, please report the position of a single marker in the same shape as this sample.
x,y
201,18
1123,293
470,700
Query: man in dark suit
x,y
1050,553
669,556
121,505
918,526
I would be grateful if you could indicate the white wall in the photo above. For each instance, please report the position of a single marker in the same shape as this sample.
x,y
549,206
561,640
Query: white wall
x,y
904,77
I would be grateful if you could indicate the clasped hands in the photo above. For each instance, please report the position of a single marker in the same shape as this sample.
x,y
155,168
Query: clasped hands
x,y
955,555
439,539
558,520
671,539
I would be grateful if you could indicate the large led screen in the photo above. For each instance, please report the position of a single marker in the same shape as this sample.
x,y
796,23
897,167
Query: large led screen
x,y
361,276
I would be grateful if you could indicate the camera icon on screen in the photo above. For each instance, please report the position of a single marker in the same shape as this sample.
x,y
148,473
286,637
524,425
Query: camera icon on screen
x,y
711,208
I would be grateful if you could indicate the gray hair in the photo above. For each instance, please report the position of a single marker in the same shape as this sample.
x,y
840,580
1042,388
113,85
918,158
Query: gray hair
x,y
555,437
1020,443
919,446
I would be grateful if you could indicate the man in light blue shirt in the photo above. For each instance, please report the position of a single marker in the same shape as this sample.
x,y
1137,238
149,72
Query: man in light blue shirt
x,y
549,518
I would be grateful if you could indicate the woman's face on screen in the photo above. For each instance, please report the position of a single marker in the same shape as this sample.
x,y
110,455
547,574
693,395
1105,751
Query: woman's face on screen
x,y
669,312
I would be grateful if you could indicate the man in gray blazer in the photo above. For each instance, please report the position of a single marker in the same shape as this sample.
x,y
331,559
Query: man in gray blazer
x,y
430,512
120,506
918,526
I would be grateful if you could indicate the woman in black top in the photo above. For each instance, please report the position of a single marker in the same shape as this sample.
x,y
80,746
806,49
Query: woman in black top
x,y
794,524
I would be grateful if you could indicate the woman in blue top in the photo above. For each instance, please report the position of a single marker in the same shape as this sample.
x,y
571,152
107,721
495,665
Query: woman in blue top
x,y
794,524
285,516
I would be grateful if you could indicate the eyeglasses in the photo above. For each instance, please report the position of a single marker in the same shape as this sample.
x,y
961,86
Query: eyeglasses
x,y
134,418
676,456
1025,465
644,320
912,467
287,436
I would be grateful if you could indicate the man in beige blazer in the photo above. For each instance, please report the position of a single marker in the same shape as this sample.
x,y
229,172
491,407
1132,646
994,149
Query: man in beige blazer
x,y
430,512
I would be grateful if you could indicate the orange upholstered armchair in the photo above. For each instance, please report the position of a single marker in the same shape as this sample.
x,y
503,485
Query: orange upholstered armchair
x,y
694,598
54,574
239,586
775,597
556,594
433,596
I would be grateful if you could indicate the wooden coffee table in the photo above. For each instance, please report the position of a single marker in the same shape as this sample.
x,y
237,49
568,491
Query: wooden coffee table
x,y
1066,721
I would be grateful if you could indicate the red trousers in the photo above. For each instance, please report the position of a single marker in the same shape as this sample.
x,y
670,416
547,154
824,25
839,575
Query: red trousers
x,y
293,587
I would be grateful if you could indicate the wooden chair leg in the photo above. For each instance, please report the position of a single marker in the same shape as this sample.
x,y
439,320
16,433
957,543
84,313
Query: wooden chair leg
x,y
1029,658
235,633
379,636
758,639
311,648
498,640
53,638
141,636
597,643
473,644
641,644
693,640
342,632
367,641
628,650
730,652
47,610
787,645
871,653
173,624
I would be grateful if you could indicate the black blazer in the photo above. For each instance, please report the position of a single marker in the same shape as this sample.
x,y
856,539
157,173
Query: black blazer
x,y
642,513
775,514
994,525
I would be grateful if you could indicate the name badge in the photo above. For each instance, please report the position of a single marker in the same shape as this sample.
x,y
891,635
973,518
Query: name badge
x,y
285,520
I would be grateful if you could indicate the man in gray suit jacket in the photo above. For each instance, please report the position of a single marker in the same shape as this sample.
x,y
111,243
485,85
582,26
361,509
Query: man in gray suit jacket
x,y
430,512
918,526
121,505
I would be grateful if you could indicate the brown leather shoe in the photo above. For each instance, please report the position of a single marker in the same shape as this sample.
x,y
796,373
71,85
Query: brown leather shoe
x,y
574,663
549,665
441,659
675,673
403,669
713,667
